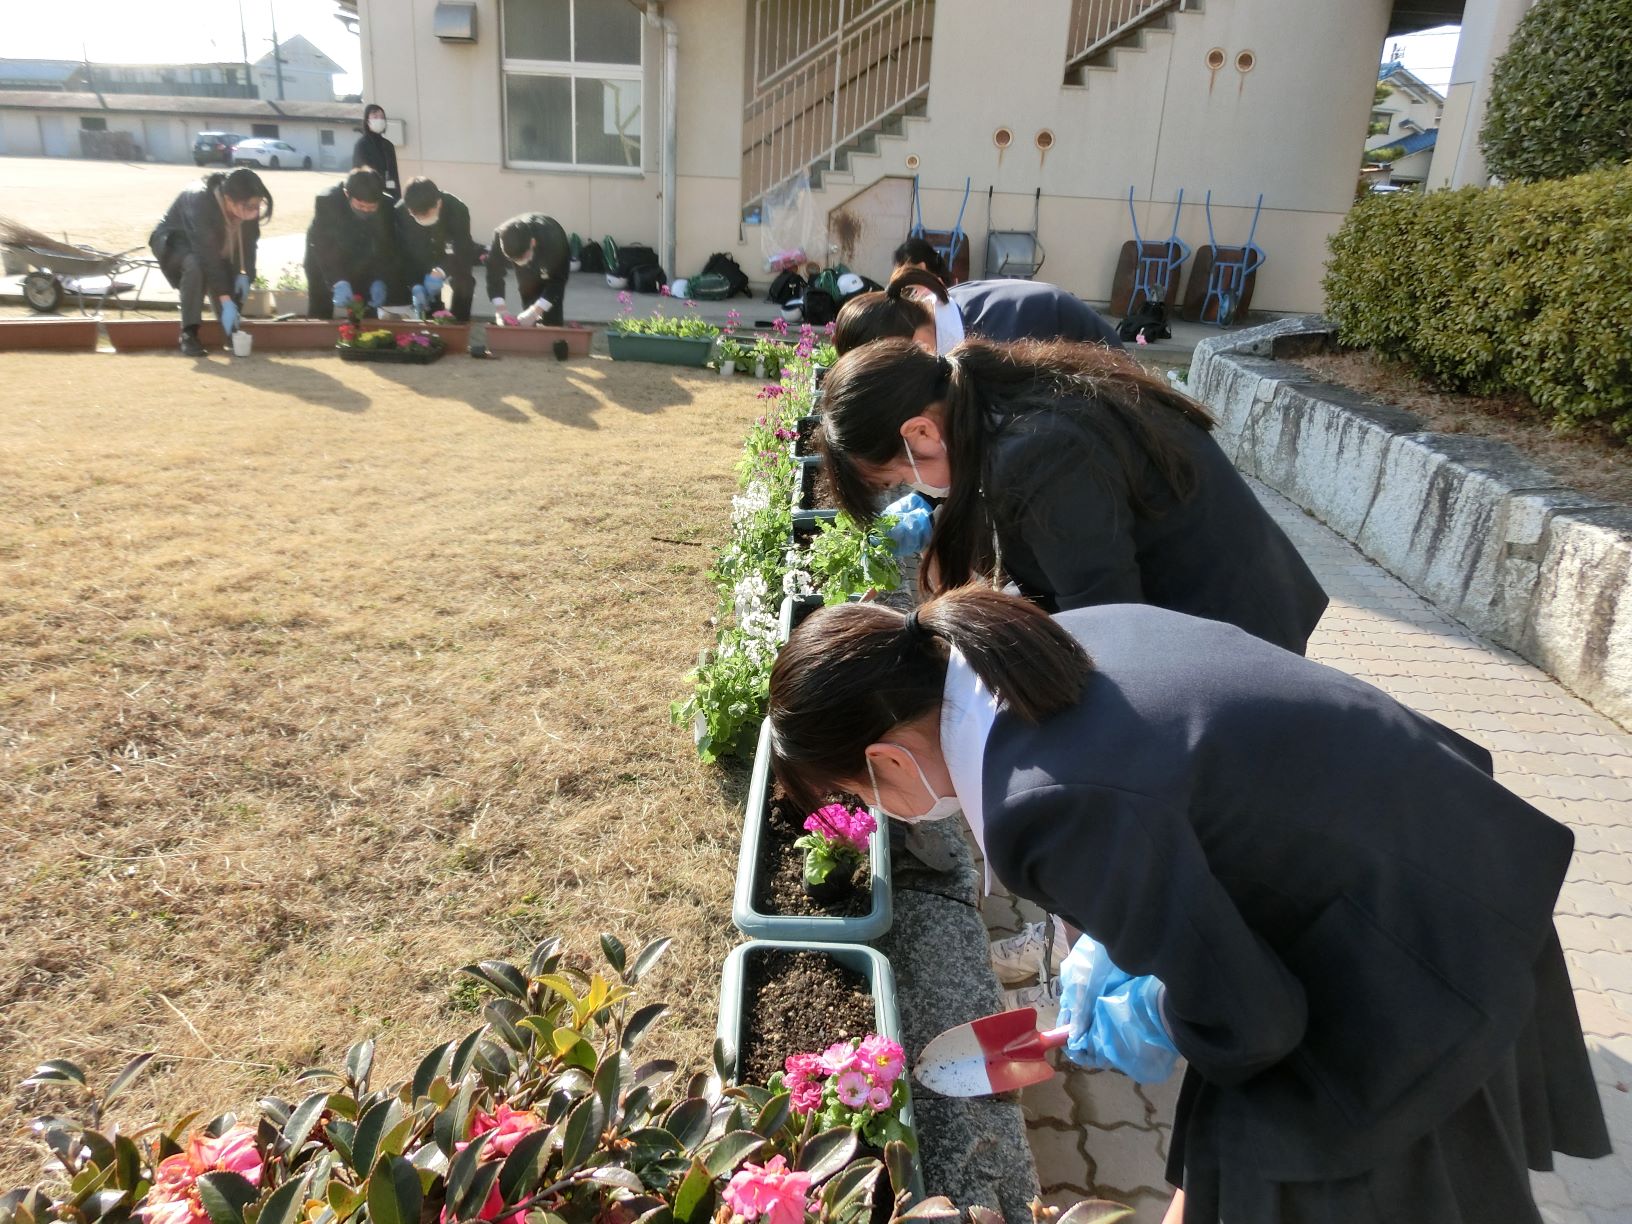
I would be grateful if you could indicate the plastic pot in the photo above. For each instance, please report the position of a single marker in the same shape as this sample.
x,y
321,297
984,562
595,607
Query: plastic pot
x,y
757,925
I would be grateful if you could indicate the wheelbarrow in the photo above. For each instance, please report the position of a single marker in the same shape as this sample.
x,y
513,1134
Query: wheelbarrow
x,y
1221,284
1147,270
1014,254
952,244
58,269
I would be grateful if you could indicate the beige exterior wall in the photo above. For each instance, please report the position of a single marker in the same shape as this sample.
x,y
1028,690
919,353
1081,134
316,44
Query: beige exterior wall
x,y
1291,128
1487,28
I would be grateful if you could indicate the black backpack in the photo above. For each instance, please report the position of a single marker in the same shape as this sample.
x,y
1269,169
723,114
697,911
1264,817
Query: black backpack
x,y
820,307
634,256
591,258
647,278
1150,320
721,264
785,288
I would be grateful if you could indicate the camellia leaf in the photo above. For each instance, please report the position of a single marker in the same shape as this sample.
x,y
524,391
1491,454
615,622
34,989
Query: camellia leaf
x,y
462,1170
647,957
649,1073
775,1115
640,1022
613,948
504,978
359,1062
608,1080
126,1077
301,1121
343,1200
55,1071
523,1169
1095,1211
544,957
286,1204
692,1201
464,1053
688,1122
570,1047
827,1153
365,1147
394,1193
225,1195
583,1132
731,1150
616,1176
938,1208
429,1068
481,1188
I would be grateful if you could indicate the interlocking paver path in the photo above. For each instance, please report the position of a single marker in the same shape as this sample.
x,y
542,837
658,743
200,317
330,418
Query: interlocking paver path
x,y
1098,1132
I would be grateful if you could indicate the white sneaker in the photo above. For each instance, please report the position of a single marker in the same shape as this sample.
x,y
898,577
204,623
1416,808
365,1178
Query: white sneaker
x,y
1045,998
1019,958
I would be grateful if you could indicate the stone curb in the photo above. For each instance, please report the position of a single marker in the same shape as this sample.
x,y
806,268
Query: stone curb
x,y
972,1151
1470,524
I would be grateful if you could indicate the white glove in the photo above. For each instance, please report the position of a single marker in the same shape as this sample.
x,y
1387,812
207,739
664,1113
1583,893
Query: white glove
x,y
498,311
532,314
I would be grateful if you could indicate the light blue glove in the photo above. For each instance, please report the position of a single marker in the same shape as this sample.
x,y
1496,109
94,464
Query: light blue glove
x,y
1115,1020
913,524
229,316
240,285
433,285
376,294
342,293
417,296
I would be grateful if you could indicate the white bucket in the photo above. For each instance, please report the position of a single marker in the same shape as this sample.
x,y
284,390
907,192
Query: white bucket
x,y
242,342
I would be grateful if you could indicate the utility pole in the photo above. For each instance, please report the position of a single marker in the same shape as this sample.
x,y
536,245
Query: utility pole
x,y
243,36
277,54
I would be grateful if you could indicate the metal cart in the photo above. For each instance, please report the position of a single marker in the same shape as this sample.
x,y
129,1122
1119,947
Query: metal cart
x,y
84,271
1014,254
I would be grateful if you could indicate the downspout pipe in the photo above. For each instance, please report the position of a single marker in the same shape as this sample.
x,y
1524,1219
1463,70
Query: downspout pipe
x,y
671,129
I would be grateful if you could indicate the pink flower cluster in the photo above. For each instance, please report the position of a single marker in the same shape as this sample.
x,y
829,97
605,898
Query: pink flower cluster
x,y
770,391
174,1198
771,1190
413,340
838,822
781,326
862,1074
506,1128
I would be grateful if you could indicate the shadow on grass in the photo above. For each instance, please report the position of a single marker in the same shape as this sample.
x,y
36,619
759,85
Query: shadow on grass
x,y
301,381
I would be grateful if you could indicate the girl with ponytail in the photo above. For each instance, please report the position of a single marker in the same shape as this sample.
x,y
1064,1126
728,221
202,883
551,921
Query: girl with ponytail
x,y
1320,899
1069,471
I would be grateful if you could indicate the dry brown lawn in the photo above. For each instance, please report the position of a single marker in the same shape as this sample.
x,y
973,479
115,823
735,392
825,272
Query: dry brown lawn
x,y
319,680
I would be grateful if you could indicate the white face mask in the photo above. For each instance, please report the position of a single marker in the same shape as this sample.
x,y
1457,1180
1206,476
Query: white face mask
x,y
944,807
917,481
428,220
376,125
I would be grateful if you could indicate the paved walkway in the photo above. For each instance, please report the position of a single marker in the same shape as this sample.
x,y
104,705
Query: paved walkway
x,y
1099,1132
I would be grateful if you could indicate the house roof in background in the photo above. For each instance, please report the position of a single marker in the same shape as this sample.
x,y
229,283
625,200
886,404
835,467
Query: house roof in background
x,y
300,42
45,71
151,104
1414,143
1398,75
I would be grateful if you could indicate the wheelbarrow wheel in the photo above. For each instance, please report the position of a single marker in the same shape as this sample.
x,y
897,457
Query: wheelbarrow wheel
x,y
42,291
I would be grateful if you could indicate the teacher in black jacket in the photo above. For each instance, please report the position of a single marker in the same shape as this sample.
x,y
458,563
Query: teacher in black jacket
x,y
918,306
1069,470
205,246
376,151
535,248
435,248
1351,919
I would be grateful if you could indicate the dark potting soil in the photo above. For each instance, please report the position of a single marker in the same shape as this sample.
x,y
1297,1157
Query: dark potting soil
x,y
816,488
798,1003
807,429
781,868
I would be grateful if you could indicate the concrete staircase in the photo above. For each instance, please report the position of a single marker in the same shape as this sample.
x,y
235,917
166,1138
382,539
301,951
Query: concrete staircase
x,y
1107,28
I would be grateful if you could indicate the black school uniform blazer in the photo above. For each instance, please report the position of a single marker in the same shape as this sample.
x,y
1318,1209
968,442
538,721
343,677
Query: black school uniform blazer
x,y
342,245
447,244
1344,905
1025,310
550,262
1083,517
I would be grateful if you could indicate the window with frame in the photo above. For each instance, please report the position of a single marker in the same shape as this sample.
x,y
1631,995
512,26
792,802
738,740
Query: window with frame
x,y
89,123
572,83
264,131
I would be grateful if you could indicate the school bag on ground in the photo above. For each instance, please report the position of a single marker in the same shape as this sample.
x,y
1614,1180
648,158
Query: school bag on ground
x,y
721,264
785,288
634,255
591,258
709,287
647,278
1150,321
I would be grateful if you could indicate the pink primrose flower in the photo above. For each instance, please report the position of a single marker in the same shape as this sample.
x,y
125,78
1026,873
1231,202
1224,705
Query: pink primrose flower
x,y
174,1198
878,1098
839,823
665,291
771,1190
883,1058
852,1087
839,1058
781,326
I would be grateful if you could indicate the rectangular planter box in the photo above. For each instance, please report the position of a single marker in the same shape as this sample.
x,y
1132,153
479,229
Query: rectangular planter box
x,y
663,350
756,925
537,341
857,957
805,425
292,334
59,335
148,335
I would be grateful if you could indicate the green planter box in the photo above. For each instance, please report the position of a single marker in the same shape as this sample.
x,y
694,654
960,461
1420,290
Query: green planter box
x,y
663,350
757,925
863,960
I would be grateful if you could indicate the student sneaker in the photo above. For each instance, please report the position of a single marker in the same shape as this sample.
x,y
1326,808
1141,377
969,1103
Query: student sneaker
x,y
1045,998
192,346
1019,958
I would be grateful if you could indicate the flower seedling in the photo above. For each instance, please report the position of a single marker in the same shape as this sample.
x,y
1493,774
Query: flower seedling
x,y
855,1084
835,841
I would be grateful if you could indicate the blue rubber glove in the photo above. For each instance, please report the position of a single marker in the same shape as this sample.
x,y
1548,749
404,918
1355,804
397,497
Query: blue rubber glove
x,y
1115,1020
433,285
240,285
229,316
913,524
417,297
376,294
342,293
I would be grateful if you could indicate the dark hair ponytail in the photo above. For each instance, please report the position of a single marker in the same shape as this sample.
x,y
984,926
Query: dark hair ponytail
x,y
889,314
920,251
853,673
244,184
988,387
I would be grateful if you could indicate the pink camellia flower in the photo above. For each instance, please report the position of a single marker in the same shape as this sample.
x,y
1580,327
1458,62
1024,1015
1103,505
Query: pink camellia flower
x,y
878,1098
507,1127
174,1197
852,1087
491,1210
883,1059
839,1058
771,1190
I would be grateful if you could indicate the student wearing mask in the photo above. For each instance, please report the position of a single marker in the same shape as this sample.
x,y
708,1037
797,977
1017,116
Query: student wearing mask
x,y
376,152
350,246
535,248
1334,913
988,309
205,246
1068,470
434,248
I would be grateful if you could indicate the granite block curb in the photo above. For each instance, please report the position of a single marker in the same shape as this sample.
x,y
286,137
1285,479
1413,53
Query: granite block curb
x,y
1470,524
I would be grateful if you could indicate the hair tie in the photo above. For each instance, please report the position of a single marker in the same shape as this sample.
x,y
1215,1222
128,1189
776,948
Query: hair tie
x,y
943,374
914,631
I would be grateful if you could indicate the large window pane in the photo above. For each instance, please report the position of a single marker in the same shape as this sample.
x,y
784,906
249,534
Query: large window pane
x,y
538,118
538,29
608,32
608,122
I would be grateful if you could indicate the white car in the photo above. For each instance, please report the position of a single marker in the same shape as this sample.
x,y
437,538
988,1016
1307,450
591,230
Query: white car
x,y
272,153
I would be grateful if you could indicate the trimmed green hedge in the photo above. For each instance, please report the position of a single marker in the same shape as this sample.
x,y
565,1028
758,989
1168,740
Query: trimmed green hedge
x,y
1561,94
1526,287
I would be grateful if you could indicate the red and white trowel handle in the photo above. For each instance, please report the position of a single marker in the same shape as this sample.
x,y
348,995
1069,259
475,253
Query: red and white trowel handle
x,y
993,1054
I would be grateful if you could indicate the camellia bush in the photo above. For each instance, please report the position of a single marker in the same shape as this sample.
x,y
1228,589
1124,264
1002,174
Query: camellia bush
x,y
1561,95
1526,288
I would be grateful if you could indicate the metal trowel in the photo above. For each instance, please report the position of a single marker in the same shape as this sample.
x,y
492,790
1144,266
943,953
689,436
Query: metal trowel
x,y
993,1054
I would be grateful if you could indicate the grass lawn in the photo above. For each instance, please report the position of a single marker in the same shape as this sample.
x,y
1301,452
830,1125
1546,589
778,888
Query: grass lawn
x,y
320,680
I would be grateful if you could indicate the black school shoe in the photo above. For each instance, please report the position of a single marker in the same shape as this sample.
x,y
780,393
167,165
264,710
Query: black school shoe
x,y
191,346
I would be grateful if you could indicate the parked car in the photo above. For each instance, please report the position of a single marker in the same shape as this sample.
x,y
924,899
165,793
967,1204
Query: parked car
x,y
214,147
273,153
